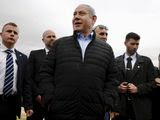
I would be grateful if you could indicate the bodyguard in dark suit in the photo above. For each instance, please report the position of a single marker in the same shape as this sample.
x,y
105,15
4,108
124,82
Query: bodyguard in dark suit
x,y
32,98
136,75
12,70
156,95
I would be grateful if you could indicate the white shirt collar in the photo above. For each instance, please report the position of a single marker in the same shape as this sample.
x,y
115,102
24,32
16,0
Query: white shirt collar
x,y
4,48
132,56
46,49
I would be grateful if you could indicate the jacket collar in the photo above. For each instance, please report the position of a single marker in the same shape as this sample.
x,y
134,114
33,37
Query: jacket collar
x,y
75,35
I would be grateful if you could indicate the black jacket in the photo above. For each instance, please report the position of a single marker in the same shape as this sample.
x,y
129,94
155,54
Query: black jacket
x,y
75,88
32,80
143,78
16,100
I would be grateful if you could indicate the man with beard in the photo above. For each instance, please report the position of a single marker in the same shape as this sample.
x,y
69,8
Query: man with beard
x,y
136,76
32,97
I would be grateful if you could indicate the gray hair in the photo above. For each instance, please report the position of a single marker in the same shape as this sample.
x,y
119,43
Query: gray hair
x,y
90,9
101,27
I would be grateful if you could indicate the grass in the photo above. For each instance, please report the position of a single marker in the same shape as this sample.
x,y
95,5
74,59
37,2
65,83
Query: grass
x,y
23,115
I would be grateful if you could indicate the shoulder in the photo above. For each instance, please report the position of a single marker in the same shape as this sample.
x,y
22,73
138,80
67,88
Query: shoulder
x,y
144,58
64,38
119,58
102,44
22,55
37,51
63,41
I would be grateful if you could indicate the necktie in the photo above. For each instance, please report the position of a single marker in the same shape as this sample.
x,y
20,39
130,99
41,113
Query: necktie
x,y
128,75
129,63
129,69
9,75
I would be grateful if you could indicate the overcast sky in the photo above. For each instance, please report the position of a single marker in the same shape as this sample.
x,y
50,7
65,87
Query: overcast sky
x,y
121,17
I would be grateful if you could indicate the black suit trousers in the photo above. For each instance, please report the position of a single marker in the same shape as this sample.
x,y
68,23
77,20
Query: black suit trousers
x,y
39,112
8,107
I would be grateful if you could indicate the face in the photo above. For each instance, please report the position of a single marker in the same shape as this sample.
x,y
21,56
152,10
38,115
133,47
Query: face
x,y
101,34
49,38
83,21
9,36
131,46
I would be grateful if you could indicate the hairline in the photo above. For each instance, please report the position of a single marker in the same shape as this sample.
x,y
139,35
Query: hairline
x,y
11,24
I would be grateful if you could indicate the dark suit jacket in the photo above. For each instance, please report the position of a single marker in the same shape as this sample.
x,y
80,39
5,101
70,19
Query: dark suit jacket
x,y
13,103
32,77
142,77
156,97
21,63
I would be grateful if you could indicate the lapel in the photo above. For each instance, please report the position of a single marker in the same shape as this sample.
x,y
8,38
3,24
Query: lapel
x,y
137,65
19,62
18,56
121,66
121,63
43,53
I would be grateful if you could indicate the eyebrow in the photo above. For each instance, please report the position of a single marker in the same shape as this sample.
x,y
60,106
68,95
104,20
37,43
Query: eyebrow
x,y
102,33
12,31
51,36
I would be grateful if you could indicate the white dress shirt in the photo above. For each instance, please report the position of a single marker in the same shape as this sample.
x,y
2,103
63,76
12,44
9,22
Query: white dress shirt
x,y
83,42
46,50
133,59
3,56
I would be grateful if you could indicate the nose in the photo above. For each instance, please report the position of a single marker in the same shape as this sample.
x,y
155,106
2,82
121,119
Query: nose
x,y
76,16
53,38
105,37
12,33
135,46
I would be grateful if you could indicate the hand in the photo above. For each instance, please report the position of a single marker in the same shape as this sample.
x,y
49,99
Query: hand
x,y
157,80
113,114
38,99
123,87
29,113
132,88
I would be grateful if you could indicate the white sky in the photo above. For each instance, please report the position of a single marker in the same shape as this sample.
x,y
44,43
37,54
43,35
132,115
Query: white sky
x,y
121,17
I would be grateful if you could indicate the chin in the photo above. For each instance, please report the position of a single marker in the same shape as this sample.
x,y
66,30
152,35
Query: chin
x,y
11,41
77,30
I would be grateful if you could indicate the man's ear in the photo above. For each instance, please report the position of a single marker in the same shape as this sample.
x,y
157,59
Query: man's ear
x,y
125,42
94,18
1,34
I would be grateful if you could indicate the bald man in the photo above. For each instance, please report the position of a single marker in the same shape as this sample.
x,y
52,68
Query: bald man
x,y
32,99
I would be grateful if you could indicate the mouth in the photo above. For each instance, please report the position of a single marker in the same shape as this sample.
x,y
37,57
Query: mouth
x,y
11,39
77,23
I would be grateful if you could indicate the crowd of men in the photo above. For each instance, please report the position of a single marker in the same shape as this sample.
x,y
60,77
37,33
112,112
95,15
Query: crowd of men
x,y
77,77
